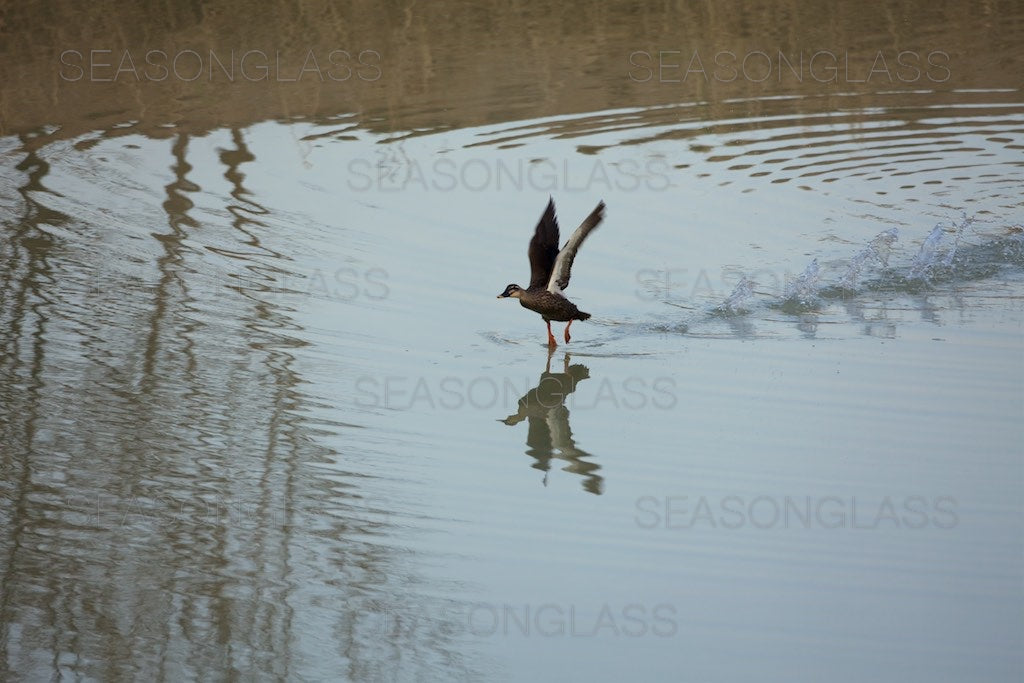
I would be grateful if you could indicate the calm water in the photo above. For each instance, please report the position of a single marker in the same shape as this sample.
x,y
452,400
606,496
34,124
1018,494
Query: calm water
x,y
263,418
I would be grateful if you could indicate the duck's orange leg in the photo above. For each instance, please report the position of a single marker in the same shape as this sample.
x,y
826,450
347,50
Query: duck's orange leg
x,y
567,331
551,337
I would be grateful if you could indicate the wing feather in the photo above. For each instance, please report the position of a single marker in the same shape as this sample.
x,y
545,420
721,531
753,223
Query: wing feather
x,y
544,247
559,279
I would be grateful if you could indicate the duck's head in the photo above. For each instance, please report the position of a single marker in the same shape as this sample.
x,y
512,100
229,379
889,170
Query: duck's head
x,y
512,290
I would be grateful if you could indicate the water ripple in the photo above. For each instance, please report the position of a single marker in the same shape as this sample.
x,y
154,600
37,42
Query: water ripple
x,y
788,140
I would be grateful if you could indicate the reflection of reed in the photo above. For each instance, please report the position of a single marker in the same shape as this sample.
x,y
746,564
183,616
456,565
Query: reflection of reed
x,y
549,435
156,501
25,275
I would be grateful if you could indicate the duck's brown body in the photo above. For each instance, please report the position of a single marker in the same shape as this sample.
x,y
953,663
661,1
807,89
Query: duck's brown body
x,y
552,307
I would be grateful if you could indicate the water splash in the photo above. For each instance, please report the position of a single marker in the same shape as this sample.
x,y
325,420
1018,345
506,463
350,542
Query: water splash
x,y
957,236
876,251
927,256
945,252
737,301
803,291
931,258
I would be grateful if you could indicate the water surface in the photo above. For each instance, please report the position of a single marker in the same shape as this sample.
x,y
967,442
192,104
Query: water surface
x,y
262,416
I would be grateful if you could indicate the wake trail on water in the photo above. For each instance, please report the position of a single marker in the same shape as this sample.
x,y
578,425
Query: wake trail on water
x,y
943,257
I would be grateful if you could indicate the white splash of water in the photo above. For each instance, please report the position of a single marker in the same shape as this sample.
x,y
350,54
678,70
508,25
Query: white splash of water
x,y
931,256
804,289
877,250
927,255
957,236
742,293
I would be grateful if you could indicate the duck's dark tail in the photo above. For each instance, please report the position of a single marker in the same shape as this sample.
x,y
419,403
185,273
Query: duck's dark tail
x,y
581,316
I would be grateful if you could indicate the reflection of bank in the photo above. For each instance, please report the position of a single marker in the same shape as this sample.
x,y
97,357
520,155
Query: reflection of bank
x,y
549,435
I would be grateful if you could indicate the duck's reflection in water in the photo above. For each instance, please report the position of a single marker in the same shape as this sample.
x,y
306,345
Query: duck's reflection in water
x,y
549,435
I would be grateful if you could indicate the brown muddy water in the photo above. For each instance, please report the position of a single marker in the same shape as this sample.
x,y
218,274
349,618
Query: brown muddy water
x,y
262,417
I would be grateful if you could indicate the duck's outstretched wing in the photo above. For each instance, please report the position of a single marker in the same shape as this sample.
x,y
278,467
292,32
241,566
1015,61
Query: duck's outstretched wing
x,y
563,262
544,247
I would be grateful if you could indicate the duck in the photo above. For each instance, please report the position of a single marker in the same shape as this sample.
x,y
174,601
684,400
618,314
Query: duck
x,y
550,269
